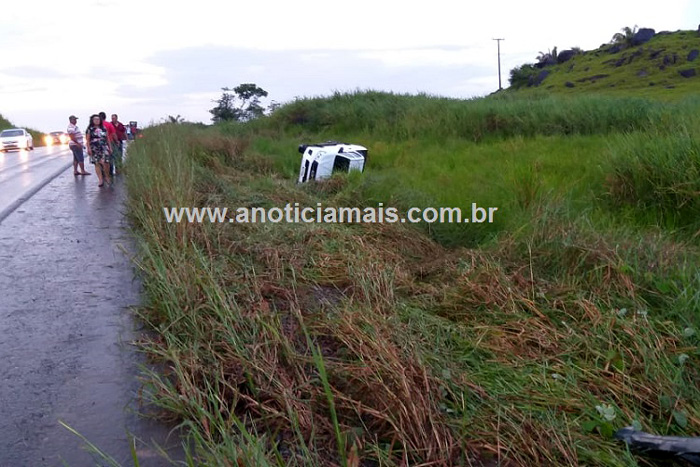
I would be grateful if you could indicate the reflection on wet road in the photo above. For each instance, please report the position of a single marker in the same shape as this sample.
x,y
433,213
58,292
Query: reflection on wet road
x,y
65,327
22,171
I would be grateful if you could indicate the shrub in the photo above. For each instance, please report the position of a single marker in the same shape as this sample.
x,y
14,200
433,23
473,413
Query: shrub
x,y
520,76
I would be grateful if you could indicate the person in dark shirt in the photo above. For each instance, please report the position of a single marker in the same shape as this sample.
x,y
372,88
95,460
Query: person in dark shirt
x,y
119,127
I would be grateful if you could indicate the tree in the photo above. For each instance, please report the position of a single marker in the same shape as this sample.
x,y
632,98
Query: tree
x,y
240,104
274,105
548,58
625,36
521,76
225,110
177,119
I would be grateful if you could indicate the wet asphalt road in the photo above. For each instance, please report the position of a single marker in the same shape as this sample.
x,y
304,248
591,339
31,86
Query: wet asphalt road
x,y
65,329
21,172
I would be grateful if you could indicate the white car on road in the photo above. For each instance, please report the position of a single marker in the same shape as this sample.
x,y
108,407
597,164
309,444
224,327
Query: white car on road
x,y
15,138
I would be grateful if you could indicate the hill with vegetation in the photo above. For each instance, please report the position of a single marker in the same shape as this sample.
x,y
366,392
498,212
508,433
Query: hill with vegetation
x,y
636,62
528,341
4,123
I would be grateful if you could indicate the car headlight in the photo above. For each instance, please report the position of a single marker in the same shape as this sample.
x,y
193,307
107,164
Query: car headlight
x,y
48,140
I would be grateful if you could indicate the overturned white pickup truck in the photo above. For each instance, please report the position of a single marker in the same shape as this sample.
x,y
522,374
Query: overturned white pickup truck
x,y
319,161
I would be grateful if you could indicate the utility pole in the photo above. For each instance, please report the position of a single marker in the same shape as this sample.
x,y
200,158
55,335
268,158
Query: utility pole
x,y
499,62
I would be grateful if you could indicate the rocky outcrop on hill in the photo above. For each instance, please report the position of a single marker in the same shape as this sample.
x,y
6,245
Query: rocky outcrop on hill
x,y
547,61
566,55
592,79
642,36
655,54
670,59
615,48
537,80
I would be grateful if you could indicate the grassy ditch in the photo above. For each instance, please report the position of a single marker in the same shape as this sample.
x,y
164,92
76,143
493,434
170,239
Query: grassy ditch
x,y
387,344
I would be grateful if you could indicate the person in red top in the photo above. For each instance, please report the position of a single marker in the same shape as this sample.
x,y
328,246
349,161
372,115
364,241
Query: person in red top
x,y
112,138
111,131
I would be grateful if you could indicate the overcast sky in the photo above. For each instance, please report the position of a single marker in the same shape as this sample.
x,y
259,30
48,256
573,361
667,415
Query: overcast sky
x,y
149,59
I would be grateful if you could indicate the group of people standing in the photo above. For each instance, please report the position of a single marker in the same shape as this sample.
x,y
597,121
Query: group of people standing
x,y
104,141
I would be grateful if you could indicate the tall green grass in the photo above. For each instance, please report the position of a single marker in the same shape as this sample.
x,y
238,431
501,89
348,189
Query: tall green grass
x,y
423,151
659,175
399,117
527,343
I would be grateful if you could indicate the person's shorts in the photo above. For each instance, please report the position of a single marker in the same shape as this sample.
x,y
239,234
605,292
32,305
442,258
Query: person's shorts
x,y
78,155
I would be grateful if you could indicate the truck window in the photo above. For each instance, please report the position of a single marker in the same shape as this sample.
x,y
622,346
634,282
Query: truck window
x,y
341,164
314,167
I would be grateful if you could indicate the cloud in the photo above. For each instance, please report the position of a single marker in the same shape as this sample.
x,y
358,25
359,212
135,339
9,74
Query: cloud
x,y
443,56
32,72
22,88
201,72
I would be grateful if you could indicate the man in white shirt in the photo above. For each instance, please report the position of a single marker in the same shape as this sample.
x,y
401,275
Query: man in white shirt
x,y
76,145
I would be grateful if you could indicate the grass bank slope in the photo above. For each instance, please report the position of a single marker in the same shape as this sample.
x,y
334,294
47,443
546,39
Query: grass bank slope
x,y
527,343
4,123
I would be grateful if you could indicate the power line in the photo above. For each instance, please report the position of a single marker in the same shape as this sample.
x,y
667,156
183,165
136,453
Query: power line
x,y
499,62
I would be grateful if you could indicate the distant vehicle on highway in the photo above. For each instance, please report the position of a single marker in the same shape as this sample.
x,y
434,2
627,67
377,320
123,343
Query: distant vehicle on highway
x,y
319,161
56,138
15,138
